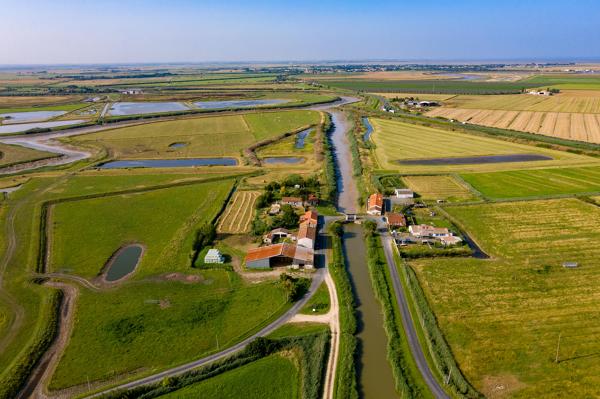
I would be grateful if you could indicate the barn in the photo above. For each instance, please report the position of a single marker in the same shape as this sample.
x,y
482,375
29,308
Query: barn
x,y
280,255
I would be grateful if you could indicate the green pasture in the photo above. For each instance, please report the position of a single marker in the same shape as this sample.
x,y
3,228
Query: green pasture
x,y
525,292
535,182
430,86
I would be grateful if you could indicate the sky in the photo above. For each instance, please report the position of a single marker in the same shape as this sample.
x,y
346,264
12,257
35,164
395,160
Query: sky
x,y
137,31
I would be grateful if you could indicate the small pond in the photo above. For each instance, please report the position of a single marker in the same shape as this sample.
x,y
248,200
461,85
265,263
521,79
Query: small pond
x,y
23,127
178,145
169,163
128,108
237,103
477,159
33,116
463,76
367,124
283,160
301,138
123,262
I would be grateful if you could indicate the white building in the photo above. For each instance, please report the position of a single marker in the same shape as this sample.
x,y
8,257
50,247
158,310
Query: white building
x,y
214,256
403,193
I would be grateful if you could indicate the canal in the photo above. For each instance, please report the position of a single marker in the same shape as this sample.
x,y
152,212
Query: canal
x,y
375,378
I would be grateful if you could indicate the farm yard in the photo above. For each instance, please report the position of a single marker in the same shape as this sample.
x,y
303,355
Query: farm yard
x,y
132,218
239,213
435,187
202,136
397,141
536,182
524,292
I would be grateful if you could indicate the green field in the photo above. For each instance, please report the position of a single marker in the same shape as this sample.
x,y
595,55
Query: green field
x,y
145,326
319,301
502,317
439,187
274,377
402,141
204,136
566,82
430,86
536,182
99,226
12,154
65,107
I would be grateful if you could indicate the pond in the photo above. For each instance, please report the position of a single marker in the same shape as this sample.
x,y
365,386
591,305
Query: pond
x,y
237,103
301,138
477,159
23,127
33,116
169,163
178,145
283,160
367,124
123,262
128,108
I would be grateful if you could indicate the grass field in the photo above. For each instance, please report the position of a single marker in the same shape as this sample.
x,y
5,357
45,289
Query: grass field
x,y
274,377
439,187
571,126
99,226
11,154
144,326
204,136
37,102
420,96
239,213
446,86
319,301
401,141
566,82
537,182
523,292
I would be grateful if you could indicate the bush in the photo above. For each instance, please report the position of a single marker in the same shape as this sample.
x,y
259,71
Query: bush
x,y
295,288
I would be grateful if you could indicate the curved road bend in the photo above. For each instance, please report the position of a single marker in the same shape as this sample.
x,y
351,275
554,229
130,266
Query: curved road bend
x,y
316,282
407,320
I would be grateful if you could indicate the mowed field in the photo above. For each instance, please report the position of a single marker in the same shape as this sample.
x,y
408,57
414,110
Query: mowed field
x,y
402,141
535,182
203,136
163,221
570,126
239,212
274,377
503,317
11,154
438,187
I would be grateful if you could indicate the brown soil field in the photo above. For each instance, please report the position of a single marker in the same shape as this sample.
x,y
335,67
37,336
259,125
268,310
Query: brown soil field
x,y
239,212
567,125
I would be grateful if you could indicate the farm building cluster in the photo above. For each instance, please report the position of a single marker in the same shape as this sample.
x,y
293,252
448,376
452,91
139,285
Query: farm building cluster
x,y
284,248
405,234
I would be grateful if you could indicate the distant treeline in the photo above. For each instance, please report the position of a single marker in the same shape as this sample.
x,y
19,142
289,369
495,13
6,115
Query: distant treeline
x,y
128,76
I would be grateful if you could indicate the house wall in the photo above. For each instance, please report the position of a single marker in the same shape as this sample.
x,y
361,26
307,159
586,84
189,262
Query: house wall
x,y
259,264
306,243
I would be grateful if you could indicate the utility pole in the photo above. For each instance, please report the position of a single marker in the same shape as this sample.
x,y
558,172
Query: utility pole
x,y
557,347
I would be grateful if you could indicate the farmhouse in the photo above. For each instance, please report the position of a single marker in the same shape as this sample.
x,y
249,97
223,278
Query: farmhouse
x,y
375,204
403,193
312,200
307,235
288,255
293,201
214,256
310,217
277,234
395,220
425,230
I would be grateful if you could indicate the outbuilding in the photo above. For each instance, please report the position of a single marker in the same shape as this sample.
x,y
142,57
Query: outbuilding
x,y
214,256
375,204
403,193
287,255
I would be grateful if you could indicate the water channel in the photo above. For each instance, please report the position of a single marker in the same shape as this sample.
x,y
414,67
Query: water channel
x,y
169,163
375,378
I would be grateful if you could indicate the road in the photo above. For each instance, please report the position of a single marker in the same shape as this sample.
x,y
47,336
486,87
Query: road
x,y
407,321
318,278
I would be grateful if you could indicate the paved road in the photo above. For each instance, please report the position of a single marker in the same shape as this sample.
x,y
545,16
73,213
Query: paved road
x,y
407,321
316,282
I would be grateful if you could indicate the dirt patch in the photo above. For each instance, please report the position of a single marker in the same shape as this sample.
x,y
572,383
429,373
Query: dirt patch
x,y
164,303
184,278
500,386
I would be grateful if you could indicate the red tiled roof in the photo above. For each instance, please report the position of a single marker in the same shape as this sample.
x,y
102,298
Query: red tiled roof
x,y
375,200
307,231
311,217
395,219
291,199
288,250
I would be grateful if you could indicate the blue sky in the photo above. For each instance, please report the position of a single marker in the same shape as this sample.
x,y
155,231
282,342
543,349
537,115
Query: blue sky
x,y
127,31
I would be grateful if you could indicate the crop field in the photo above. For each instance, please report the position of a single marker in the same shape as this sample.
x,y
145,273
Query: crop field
x,y
203,136
438,187
446,86
571,126
150,325
239,213
11,154
420,96
100,226
523,292
273,377
535,182
566,82
401,141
